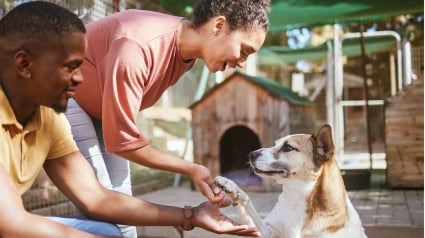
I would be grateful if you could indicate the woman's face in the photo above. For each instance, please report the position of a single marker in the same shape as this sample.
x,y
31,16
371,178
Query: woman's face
x,y
231,48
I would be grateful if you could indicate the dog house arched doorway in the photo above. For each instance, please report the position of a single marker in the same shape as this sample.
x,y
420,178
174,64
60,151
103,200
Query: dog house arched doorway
x,y
235,145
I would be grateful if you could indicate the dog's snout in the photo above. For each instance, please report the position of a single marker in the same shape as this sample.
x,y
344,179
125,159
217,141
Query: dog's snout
x,y
254,154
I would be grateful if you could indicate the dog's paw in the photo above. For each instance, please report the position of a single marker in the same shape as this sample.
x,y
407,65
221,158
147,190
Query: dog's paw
x,y
239,198
229,187
226,184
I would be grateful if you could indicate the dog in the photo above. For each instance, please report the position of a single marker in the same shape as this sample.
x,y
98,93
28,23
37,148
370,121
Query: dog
x,y
313,201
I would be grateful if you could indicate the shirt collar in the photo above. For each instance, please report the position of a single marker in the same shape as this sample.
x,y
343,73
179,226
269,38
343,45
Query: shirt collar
x,y
7,115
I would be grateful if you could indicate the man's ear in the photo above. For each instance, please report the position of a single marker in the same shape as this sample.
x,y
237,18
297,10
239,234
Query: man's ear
x,y
219,25
22,62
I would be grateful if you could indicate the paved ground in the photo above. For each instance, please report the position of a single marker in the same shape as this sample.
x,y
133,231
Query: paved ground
x,y
385,213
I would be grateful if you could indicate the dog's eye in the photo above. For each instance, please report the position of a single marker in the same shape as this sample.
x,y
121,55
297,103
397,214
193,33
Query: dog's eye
x,y
287,147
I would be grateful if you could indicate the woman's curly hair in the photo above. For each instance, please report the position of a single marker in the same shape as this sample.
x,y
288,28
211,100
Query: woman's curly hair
x,y
248,15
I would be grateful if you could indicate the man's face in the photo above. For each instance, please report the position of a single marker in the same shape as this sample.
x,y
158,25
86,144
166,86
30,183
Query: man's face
x,y
56,72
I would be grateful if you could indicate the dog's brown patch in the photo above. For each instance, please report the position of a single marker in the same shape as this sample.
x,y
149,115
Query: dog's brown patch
x,y
326,205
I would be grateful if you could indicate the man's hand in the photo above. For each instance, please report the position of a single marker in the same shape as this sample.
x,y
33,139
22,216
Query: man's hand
x,y
209,217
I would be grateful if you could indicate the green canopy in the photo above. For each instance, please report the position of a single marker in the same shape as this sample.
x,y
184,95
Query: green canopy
x,y
289,14
351,47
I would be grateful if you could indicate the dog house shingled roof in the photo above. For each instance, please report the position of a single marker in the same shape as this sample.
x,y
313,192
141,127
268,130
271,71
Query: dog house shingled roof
x,y
267,84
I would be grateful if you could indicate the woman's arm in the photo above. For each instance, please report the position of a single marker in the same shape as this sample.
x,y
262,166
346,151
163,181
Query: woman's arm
x,y
151,157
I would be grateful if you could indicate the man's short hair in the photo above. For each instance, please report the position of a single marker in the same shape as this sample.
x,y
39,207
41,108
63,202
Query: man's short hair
x,y
39,19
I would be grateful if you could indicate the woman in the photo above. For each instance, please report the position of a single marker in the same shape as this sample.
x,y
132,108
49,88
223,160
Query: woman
x,y
133,57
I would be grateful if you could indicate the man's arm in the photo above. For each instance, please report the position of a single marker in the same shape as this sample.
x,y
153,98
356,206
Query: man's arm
x,y
16,222
74,176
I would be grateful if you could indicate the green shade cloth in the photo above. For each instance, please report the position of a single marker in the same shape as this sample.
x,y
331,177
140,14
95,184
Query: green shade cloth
x,y
351,47
290,14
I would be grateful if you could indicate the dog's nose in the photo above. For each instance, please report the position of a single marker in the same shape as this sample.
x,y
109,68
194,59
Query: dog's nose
x,y
254,154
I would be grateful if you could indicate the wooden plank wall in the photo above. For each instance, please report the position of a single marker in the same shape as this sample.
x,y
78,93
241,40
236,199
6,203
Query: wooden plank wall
x,y
404,128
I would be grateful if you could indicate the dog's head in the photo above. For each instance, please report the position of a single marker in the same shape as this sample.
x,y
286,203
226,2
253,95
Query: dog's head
x,y
299,155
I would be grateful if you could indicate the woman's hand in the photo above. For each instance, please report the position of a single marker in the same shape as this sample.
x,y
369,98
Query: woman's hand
x,y
205,183
209,217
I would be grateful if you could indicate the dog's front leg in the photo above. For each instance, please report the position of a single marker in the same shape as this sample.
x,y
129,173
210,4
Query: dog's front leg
x,y
242,202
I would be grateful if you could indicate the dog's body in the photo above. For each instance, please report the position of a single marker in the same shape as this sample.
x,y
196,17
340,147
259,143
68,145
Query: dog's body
x,y
313,203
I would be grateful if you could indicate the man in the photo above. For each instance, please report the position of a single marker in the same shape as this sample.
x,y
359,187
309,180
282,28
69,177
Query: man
x,y
42,47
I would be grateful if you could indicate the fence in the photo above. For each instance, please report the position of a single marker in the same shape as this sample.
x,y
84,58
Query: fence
x,y
87,10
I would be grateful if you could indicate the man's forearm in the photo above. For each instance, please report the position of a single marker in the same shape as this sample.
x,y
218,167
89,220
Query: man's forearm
x,y
119,208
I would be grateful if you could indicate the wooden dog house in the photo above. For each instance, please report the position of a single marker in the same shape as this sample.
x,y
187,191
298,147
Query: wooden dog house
x,y
242,114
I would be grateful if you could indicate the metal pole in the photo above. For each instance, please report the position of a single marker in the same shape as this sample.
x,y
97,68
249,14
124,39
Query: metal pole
x,y
338,111
366,95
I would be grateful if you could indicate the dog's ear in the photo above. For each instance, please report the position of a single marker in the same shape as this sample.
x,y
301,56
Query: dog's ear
x,y
323,145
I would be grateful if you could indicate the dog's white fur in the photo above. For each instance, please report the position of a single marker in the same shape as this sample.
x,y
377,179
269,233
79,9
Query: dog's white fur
x,y
313,202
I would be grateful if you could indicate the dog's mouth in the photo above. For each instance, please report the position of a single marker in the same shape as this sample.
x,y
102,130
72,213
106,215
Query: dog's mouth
x,y
268,170
283,172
